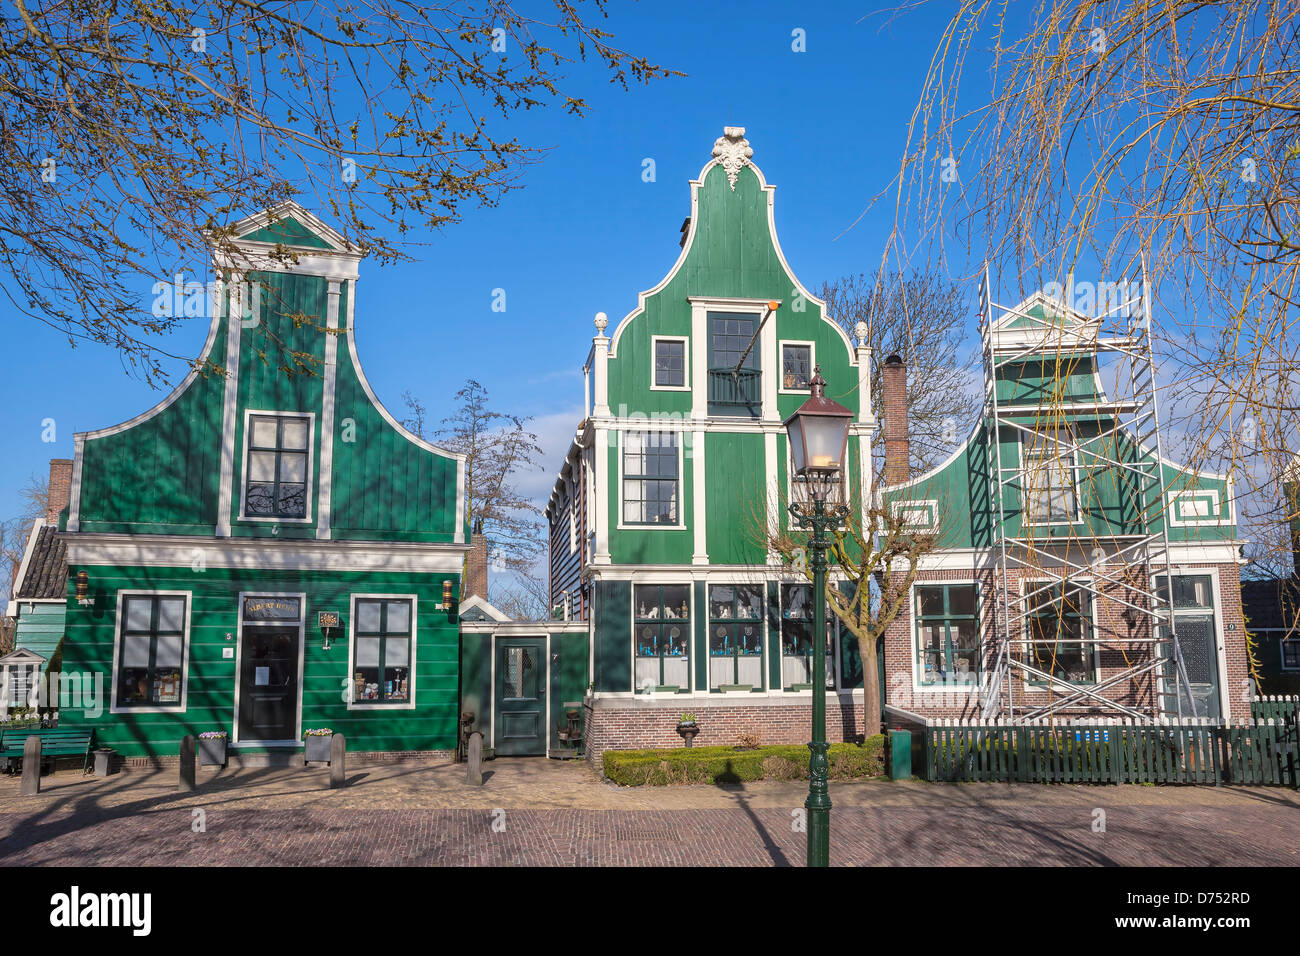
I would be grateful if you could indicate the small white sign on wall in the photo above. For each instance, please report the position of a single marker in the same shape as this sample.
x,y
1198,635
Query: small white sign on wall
x,y
228,652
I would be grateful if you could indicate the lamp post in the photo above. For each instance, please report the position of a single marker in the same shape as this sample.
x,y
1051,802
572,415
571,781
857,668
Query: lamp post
x,y
819,434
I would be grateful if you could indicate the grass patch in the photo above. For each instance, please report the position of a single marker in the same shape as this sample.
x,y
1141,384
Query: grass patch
x,y
657,768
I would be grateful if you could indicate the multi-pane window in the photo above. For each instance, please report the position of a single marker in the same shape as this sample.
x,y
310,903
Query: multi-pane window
x,y
797,638
1291,654
381,629
947,635
151,651
735,386
796,366
670,363
662,632
1048,478
735,636
20,680
650,478
1060,622
277,466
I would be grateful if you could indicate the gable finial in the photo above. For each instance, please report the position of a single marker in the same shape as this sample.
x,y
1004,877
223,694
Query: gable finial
x,y
732,151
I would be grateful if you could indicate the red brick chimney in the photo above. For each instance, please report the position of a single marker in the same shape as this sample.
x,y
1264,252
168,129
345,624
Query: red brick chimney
x,y
894,389
476,568
60,488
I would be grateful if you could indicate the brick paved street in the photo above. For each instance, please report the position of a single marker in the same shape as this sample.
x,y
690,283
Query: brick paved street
x,y
561,814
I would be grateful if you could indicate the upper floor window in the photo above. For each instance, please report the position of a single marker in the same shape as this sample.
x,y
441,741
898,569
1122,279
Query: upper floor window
x,y
1048,479
796,366
734,377
650,478
670,369
277,466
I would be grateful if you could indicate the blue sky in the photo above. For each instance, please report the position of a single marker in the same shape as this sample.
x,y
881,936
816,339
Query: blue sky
x,y
586,233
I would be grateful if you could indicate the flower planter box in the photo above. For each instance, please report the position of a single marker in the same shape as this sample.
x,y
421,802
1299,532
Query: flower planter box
x,y
735,688
317,749
212,751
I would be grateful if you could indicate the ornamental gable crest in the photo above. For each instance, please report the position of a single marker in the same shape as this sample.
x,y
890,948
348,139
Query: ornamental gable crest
x,y
732,151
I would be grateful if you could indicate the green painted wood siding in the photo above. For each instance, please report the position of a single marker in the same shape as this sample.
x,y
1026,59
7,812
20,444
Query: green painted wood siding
x,y
211,678
161,476
733,254
613,626
40,628
1107,497
385,485
735,497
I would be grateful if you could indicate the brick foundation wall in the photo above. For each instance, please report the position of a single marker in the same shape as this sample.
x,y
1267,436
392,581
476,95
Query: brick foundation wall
x,y
1137,692
622,724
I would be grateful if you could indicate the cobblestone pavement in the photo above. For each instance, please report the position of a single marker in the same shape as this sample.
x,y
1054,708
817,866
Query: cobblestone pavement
x,y
545,813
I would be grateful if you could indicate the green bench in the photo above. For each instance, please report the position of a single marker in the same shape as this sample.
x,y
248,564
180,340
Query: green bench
x,y
54,743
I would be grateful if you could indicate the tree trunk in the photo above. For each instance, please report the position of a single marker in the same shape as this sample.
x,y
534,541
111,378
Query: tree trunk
x,y
870,687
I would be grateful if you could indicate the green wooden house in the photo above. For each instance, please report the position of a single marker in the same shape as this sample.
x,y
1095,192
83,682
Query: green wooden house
x,y
262,553
1057,526
679,467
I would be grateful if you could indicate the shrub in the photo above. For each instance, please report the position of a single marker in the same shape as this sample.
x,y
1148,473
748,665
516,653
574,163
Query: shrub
x,y
635,768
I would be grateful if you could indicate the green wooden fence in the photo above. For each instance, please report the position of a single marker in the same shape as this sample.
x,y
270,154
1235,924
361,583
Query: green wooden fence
x,y
1279,707
1250,752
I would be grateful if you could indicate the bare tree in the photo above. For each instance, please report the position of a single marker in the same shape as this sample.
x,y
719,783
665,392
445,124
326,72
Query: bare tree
x,y
922,317
521,597
132,132
498,448
1120,132
874,559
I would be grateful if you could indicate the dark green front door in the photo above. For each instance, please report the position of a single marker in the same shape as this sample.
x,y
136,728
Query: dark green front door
x,y
521,697
268,683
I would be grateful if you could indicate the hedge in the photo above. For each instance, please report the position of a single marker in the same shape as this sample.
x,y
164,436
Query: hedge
x,y
635,768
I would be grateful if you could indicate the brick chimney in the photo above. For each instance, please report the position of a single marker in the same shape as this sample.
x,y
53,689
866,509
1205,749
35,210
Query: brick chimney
x,y
476,568
894,399
60,488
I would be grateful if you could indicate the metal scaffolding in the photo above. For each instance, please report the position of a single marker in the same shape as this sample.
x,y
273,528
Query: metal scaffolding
x,y
1068,443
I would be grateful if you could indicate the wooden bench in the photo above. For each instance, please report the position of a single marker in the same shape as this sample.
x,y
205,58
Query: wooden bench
x,y
54,743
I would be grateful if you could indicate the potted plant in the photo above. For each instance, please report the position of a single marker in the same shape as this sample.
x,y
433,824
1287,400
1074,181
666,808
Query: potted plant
x,y
212,748
317,745
688,728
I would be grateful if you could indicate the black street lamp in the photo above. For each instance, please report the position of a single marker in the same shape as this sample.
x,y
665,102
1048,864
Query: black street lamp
x,y
819,438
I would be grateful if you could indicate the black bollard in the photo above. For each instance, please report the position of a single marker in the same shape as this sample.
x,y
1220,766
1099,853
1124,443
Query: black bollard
x,y
338,755
186,784
474,773
31,784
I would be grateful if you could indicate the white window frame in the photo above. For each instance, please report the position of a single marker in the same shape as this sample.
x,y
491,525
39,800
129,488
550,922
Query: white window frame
x,y
1281,652
780,361
961,690
352,649
835,652
689,584
686,362
1031,685
118,621
764,630
311,468
681,480
1025,490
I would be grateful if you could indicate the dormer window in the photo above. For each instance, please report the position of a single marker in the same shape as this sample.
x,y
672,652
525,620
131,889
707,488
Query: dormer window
x,y
1048,478
277,469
